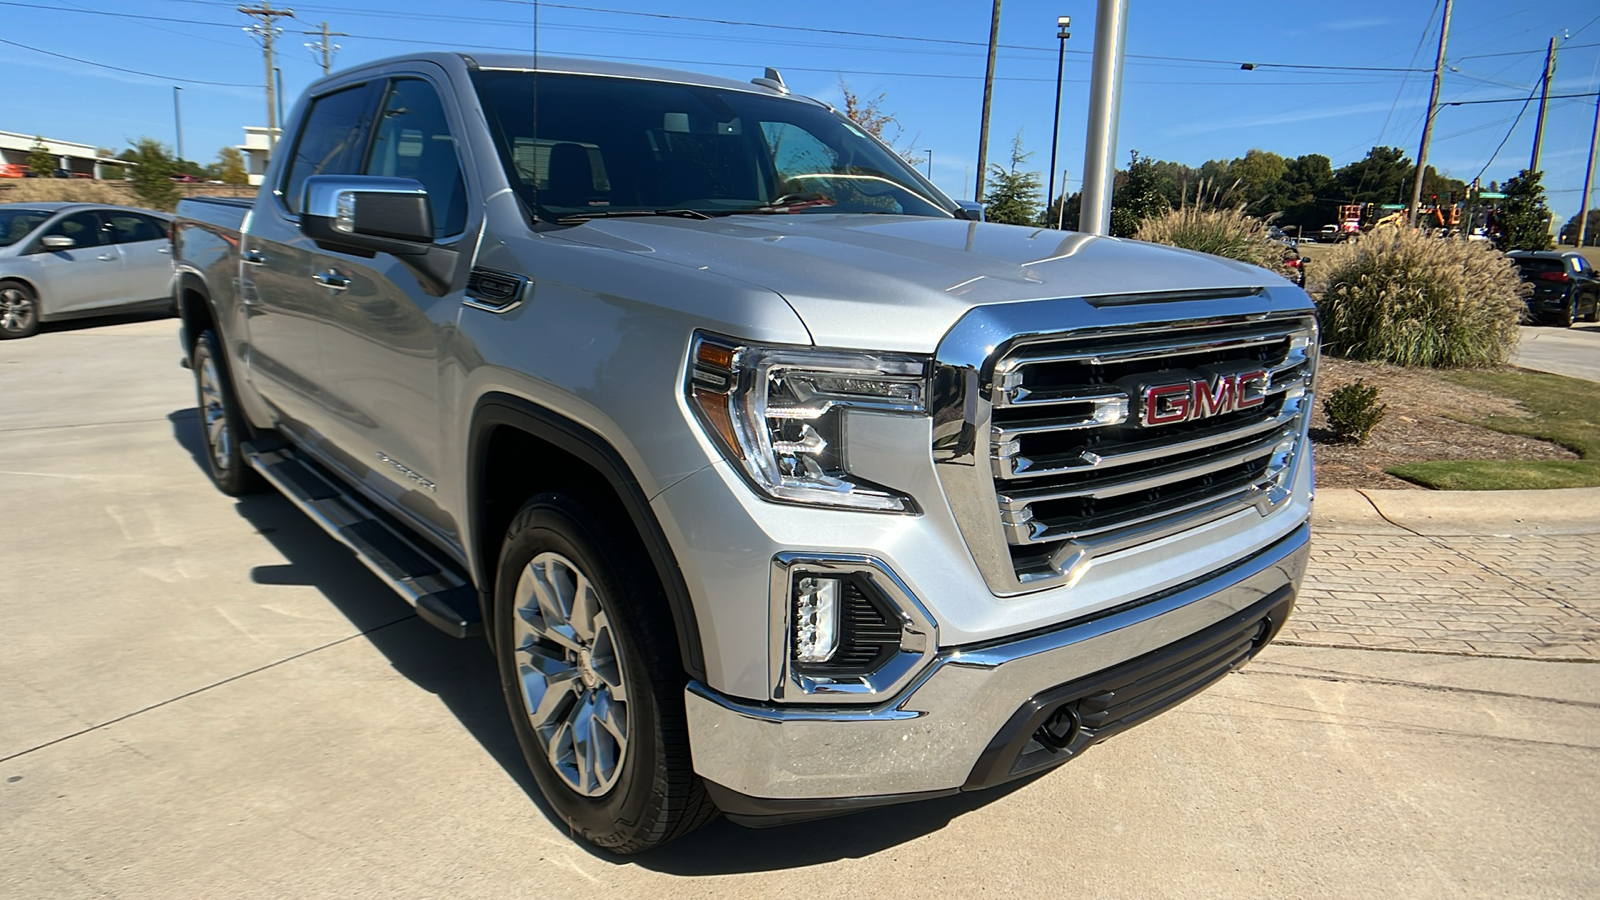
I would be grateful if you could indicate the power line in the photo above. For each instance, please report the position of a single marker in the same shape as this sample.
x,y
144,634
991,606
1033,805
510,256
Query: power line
x,y
1509,131
121,69
1525,52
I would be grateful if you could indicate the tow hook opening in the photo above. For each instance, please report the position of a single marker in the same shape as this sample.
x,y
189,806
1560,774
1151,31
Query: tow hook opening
x,y
1061,729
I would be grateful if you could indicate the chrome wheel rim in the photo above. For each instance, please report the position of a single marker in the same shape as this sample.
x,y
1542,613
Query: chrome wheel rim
x,y
569,674
215,415
16,310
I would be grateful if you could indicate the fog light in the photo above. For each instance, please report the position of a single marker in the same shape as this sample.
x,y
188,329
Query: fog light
x,y
816,619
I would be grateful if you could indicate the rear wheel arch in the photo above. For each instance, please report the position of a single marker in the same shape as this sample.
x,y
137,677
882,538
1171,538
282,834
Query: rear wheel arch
x,y
195,310
518,449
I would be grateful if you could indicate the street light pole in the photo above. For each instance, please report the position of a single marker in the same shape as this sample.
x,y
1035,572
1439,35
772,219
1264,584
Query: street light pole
x,y
1105,101
1062,24
1588,178
177,117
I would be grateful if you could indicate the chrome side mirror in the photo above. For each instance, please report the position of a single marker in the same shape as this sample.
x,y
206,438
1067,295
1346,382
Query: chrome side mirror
x,y
57,242
367,213
970,210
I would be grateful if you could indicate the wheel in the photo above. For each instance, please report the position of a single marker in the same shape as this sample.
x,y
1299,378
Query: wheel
x,y
1569,314
19,310
221,423
1594,308
589,665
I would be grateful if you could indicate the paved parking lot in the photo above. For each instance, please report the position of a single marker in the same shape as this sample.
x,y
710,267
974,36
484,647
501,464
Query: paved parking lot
x,y
1574,352
203,697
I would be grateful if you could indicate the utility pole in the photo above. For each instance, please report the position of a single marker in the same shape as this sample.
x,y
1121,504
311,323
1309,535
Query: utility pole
x,y
1062,24
1427,124
325,46
1544,101
177,118
267,30
1588,178
1105,102
1061,211
988,96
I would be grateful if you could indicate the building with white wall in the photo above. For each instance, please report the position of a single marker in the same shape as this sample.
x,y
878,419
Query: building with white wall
x,y
80,160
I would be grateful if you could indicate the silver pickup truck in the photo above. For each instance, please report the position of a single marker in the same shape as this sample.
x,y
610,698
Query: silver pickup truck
x,y
779,483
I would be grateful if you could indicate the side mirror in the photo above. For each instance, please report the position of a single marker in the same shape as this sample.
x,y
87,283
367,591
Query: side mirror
x,y
972,212
57,242
367,214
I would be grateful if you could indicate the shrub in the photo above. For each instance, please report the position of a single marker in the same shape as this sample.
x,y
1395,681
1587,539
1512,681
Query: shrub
x,y
1399,296
1221,232
1353,411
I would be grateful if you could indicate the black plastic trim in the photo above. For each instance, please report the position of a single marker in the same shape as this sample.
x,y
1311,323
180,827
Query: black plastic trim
x,y
494,410
764,812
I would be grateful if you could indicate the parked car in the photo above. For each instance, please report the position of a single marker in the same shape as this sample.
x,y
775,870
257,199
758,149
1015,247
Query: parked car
x,y
779,482
1565,286
62,260
1329,234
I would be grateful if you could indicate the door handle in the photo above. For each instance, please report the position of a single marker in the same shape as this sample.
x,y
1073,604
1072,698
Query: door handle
x,y
107,257
167,250
332,280
253,258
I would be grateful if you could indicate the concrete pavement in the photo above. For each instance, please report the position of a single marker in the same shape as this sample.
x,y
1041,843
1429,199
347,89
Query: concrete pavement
x,y
203,697
1574,352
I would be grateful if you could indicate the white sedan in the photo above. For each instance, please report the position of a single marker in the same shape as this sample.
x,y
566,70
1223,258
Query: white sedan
x,y
61,260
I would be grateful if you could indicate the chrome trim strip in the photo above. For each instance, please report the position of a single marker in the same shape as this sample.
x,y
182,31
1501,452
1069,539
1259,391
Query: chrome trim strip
x,y
929,736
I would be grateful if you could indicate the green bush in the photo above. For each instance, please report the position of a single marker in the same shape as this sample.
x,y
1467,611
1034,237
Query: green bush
x,y
1399,296
1353,411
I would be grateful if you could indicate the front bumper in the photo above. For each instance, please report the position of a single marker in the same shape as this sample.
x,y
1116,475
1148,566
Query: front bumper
x,y
969,721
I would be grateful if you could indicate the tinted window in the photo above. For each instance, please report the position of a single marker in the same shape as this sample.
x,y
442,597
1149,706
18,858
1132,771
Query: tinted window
x,y
613,143
1580,265
414,141
1536,265
131,228
16,224
330,142
84,228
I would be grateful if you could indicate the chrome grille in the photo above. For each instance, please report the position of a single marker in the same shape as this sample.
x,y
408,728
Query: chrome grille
x,y
1076,469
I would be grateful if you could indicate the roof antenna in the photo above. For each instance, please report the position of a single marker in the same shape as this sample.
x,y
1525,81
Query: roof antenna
x,y
773,79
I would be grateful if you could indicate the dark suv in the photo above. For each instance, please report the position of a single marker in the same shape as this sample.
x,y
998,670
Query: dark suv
x,y
1565,287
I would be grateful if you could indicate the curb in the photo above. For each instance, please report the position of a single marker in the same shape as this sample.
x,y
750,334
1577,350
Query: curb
x,y
1367,511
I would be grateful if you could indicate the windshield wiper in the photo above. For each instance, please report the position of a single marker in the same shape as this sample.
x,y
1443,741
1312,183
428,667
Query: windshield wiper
x,y
578,218
782,206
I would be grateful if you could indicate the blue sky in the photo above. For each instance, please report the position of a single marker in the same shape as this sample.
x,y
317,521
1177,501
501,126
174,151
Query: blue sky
x,y
1172,108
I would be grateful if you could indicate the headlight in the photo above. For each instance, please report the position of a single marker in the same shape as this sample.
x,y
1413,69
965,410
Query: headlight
x,y
777,414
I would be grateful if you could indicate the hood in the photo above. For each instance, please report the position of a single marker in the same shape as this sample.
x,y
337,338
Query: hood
x,y
900,282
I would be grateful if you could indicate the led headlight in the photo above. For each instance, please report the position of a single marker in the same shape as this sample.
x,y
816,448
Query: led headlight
x,y
777,414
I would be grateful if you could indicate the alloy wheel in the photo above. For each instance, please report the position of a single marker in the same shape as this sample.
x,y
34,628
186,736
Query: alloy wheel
x,y
215,413
16,310
570,674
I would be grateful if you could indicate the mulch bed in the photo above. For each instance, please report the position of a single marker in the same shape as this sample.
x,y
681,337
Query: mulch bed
x,y
1420,426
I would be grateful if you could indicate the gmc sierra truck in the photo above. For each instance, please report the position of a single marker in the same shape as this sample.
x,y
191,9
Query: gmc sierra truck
x,y
779,483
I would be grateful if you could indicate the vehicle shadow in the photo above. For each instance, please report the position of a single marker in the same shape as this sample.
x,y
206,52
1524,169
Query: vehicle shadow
x,y
462,674
116,318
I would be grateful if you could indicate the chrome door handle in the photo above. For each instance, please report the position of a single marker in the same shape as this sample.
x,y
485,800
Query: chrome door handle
x,y
253,258
164,250
332,280
106,257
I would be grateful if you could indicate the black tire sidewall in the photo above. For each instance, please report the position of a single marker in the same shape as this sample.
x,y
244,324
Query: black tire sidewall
x,y
33,298
557,523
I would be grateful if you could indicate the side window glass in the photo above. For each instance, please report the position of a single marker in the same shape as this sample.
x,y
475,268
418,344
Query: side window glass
x,y
330,140
84,228
413,140
131,228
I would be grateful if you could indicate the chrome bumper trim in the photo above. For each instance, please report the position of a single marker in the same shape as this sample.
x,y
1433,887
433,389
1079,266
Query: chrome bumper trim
x,y
929,737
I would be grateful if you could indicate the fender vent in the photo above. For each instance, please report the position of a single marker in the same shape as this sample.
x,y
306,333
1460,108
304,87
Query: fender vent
x,y
494,290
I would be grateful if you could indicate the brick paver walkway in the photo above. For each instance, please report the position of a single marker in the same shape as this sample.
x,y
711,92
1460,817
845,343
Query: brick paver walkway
x,y
1535,597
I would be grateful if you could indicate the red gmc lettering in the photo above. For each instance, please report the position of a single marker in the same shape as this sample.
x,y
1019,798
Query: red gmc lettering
x,y
1178,404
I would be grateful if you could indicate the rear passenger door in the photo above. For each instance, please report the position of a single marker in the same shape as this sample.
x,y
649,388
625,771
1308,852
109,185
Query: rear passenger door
x,y
146,254
382,349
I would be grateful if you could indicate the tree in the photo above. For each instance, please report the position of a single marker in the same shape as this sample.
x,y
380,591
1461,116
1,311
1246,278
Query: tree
x,y
1137,198
1591,235
152,171
868,112
1381,177
1524,218
41,162
1013,198
230,166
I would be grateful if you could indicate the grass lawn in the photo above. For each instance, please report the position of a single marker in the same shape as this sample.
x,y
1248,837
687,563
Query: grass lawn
x,y
1564,410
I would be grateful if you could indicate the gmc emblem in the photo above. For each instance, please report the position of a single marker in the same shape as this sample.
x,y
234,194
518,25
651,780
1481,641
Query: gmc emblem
x,y
1197,398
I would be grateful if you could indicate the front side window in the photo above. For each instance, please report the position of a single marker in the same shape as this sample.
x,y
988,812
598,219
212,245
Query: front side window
x,y
330,142
84,228
602,145
413,140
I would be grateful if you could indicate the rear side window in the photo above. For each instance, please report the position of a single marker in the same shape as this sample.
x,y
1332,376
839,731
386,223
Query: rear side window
x,y
331,140
413,140
131,228
1537,265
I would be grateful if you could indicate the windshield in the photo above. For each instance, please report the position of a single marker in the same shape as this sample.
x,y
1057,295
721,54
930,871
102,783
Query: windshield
x,y
16,224
608,146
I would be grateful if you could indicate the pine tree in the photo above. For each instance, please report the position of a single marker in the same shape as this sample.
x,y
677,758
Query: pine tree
x,y
1014,197
1525,220
152,171
1138,198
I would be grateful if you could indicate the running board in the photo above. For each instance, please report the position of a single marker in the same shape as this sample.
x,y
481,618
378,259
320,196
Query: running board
x,y
442,597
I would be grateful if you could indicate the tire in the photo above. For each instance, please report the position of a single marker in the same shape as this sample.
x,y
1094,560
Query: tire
x,y
222,427
19,310
606,666
1569,315
1594,309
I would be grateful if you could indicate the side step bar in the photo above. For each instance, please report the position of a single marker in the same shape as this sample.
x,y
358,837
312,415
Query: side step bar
x,y
442,596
